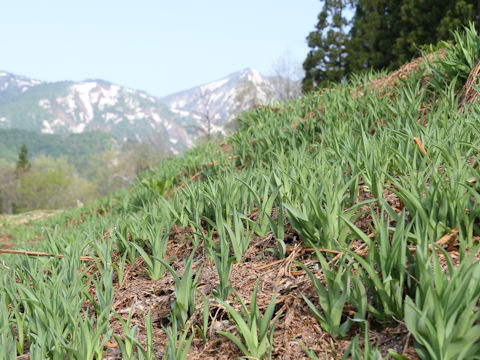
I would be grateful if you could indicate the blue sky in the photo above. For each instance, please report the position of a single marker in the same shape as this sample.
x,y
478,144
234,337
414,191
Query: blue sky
x,y
157,46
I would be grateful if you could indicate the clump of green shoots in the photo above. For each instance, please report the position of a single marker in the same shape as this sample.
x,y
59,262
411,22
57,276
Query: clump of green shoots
x,y
184,305
332,297
156,233
177,343
443,317
255,332
384,266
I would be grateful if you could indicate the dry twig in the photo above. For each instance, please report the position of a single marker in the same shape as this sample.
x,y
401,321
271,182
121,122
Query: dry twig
x,y
37,253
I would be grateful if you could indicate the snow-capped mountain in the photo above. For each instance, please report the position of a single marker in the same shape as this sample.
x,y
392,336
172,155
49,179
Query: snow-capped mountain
x,y
76,107
15,84
220,102
174,121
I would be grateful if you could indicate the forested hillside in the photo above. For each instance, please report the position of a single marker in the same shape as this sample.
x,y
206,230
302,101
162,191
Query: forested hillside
x,y
343,224
64,170
54,145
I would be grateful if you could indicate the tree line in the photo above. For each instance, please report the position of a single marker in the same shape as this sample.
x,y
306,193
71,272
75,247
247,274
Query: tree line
x,y
381,34
47,182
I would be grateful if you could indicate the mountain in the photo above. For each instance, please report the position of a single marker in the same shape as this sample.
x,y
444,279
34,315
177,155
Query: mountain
x,y
94,105
11,85
221,101
175,121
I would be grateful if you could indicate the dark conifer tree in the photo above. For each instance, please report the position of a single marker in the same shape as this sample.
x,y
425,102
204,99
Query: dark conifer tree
x,y
375,27
419,21
370,36
458,13
326,60
22,163
428,22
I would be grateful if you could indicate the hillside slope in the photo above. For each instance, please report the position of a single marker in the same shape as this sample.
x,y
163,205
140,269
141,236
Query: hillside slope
x,y
309,228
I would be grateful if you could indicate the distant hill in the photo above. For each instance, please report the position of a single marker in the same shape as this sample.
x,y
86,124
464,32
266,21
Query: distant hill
x,y
95,105
54,145
174,122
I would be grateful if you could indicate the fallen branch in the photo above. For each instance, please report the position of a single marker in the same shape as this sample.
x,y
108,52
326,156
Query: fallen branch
x,y
37,253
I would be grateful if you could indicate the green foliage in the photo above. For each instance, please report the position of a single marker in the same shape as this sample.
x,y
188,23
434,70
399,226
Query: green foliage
x,y
427,22
103,283
184,304
157,186
223,263
75,173
443,318
264,201
384,268
459,59
384,34
332,296
354,352
318,222
155,233
256,332
371,36
22,163
178,345
325,61
128,346
278,230
202,331
51,184
239,237
74,146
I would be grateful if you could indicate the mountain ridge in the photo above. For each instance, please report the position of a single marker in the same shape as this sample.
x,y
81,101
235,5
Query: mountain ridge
x,y
176,120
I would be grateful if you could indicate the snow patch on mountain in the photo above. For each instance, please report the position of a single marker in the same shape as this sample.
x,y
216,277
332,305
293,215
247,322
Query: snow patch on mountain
x,y
49,127
156,118
15,84
108,97
78,129
44,103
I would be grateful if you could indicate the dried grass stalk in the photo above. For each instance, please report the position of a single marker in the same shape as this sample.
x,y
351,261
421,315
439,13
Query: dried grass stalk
x,y
469,93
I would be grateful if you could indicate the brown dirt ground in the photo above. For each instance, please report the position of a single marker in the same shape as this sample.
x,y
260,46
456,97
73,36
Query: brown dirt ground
x,y
296,322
